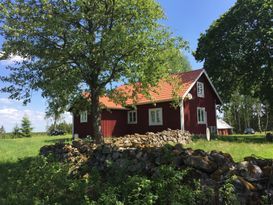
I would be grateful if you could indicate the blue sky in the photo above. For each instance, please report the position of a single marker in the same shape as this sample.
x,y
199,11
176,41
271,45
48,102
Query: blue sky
x,y
186,18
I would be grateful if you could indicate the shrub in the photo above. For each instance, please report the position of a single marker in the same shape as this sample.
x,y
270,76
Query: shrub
x,y
39,181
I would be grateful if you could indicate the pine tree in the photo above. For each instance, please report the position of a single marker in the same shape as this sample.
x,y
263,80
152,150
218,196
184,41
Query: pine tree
x,y
26,127
2,132
16,132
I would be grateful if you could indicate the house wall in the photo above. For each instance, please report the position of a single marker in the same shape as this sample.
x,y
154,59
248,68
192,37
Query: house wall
x,y
113,123
190,108
171,118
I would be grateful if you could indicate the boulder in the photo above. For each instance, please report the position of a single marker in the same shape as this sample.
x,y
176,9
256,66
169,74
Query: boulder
x,y
201,163
249,171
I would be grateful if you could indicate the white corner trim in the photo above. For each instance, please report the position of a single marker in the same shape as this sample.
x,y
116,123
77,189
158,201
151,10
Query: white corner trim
x,y
182,120
189,89
213,87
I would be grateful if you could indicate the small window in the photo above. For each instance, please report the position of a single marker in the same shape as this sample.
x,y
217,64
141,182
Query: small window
x,y
200,90
155,116
132,117
83,116
201,115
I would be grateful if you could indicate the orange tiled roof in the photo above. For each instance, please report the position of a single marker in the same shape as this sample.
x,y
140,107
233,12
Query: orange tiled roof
x,y
163,92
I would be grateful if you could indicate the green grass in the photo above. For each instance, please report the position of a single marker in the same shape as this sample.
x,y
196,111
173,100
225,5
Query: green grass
x,y
13,149
239,146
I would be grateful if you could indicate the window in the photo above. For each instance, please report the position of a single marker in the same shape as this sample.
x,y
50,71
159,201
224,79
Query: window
x,y
132,117
83,116
201,115
200,90
155,116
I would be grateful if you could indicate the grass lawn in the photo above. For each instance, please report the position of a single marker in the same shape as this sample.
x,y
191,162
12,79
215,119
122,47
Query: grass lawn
x,y
13,149
239,146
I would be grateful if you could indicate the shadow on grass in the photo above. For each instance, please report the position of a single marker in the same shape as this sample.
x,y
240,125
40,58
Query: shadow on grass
x,y
240,138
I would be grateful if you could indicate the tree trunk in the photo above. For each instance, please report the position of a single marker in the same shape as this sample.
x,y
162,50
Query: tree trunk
x,y
96,118
239,122
259,117
267,119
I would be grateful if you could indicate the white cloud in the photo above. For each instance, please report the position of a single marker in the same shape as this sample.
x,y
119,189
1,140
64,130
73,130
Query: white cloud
x,y
10,116
11,60
7,101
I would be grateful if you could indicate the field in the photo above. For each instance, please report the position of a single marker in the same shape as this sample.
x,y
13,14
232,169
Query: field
x,y
239,146
27,178
13,149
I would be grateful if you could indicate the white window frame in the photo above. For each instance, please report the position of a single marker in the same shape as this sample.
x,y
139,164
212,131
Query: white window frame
x,y
158,111
203,111
200,90
83,116
131,112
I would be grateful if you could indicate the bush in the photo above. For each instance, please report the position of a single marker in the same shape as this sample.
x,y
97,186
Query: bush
x,y
42,180
39,181
64,126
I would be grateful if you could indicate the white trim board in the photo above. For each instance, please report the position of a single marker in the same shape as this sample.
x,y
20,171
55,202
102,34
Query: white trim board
x,y
189,89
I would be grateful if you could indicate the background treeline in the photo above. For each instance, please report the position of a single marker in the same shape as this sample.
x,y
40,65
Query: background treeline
x,y
25,130
63,126
245,111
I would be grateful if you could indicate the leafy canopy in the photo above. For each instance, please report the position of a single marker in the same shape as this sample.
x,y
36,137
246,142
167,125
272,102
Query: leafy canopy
x,y
237,50
72,46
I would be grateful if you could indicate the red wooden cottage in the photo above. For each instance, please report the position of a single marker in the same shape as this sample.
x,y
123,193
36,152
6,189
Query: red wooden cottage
x,y
196,112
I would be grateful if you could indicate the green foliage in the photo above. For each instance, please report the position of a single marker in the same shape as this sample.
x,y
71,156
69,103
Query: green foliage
x,y
16,132
26,127
80,46
39,181
245,111
166,186
237,51
64,126
228,194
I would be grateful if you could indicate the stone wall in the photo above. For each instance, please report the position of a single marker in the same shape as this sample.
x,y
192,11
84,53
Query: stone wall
x,y
252,178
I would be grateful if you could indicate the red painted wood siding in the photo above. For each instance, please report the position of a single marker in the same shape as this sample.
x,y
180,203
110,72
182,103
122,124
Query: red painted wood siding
x,y
113,123
190,108
224,132
171,118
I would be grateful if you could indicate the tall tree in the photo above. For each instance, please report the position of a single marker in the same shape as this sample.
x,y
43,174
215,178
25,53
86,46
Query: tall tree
x,y
2,130
77,46
237,50
26,127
